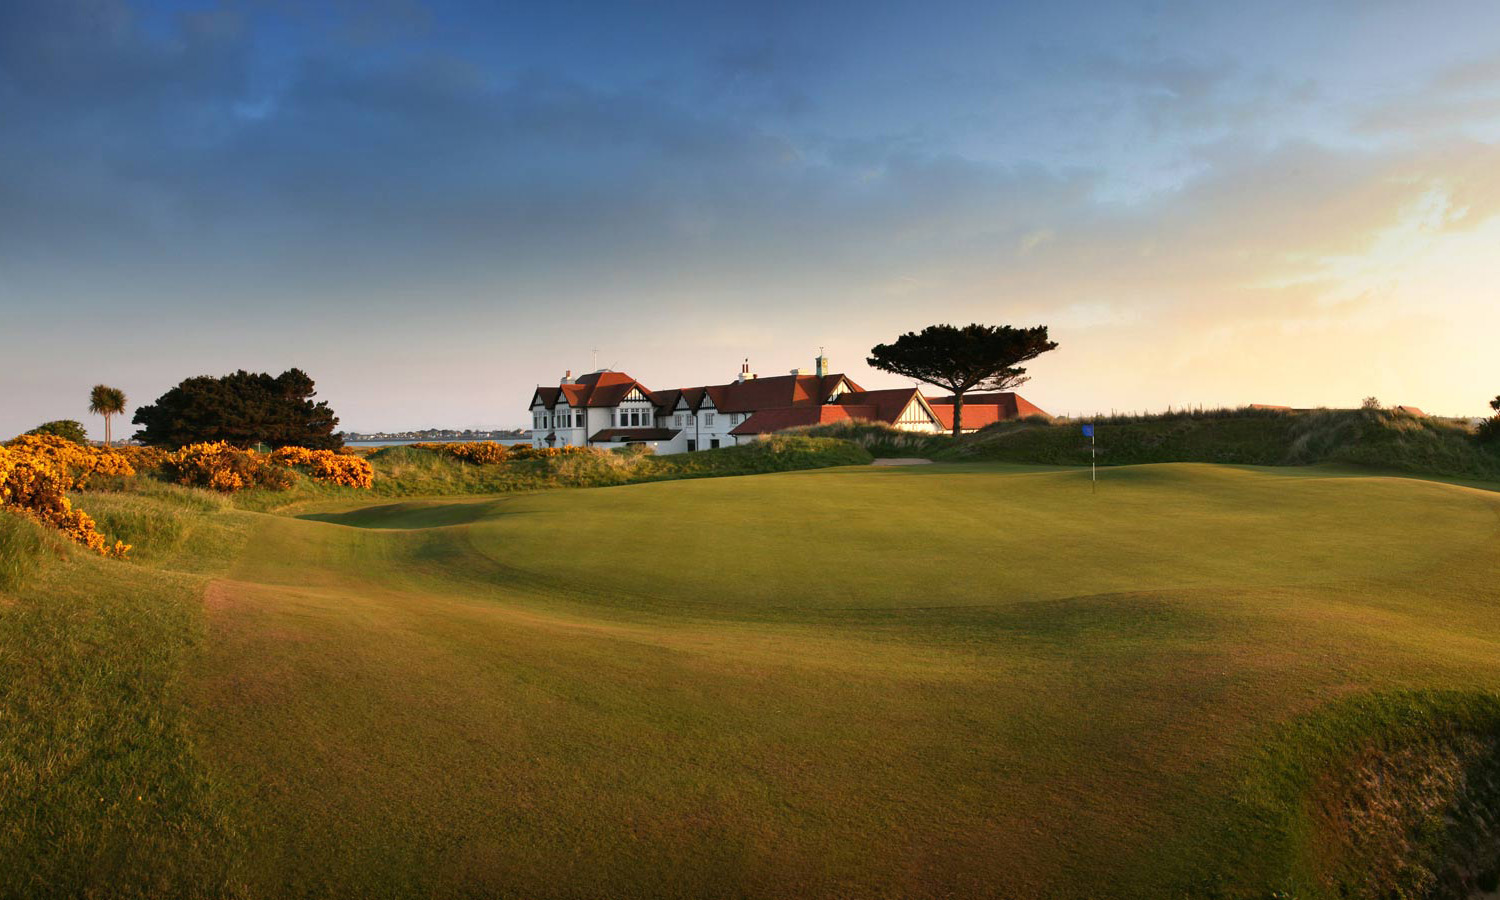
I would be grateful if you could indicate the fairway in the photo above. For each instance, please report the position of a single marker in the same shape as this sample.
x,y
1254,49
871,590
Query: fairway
x,y
956,680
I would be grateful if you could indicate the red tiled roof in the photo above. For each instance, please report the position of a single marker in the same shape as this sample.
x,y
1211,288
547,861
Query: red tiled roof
x,y
889,404
1011,404
776,392
985,409
616,435
976,415
769,420
1412,411
594,389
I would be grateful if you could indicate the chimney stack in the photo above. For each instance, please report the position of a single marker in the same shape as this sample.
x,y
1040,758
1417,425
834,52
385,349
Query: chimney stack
x,y
822,363
567,377
745,373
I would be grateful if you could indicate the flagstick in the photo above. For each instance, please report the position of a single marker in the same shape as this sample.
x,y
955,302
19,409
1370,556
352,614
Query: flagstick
x,y
1093,466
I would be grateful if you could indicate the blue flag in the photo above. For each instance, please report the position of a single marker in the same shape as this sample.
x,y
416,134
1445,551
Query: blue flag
x,y
1088,431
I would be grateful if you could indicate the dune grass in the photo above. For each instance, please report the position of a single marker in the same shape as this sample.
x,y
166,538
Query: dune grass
x,y
103,792
402,471
1383,440
952,681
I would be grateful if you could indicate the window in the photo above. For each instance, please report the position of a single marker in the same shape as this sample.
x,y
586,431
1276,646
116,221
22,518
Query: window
x,y
578,419
713,444
692,445
635,417
678,420
708,420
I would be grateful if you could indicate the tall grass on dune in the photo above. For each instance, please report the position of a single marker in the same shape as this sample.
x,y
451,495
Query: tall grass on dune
x,y
1380,439
405,471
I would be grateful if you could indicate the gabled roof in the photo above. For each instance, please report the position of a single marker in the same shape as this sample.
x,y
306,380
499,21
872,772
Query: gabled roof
x,y
769,420
889,404
777,392
985,409
602,388
1011,404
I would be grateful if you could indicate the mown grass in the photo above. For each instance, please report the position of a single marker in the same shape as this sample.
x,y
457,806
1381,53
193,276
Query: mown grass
x,y
959,681
953,681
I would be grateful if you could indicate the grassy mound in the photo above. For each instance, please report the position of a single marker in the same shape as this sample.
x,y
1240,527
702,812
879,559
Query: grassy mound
x,y
1381,439
972,680
1376,438
412,472
103,790
1379,796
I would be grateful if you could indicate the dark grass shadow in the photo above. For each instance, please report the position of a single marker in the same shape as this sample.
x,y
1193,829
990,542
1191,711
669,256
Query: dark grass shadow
x,y
408,515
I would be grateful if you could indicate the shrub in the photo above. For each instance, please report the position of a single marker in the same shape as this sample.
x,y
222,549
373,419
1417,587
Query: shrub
x,y
142,458
67,429
328,466
221,467
35,481
490,452
74,462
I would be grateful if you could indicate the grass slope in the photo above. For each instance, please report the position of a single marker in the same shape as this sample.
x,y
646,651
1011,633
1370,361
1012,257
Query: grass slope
x,y
951,681
103,791
958,681
1378,439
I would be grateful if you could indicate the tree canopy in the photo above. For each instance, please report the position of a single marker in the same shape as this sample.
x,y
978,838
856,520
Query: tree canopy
x,y
68,429
108,402
243,408
962,359
1489,429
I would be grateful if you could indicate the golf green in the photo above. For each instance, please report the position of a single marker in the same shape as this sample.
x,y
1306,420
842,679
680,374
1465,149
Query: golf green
x,y
939,681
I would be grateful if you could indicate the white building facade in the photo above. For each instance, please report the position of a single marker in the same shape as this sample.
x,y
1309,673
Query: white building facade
x,y
611,409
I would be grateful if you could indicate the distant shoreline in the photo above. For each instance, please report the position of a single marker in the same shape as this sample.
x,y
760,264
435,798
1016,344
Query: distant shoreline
x,y
401,441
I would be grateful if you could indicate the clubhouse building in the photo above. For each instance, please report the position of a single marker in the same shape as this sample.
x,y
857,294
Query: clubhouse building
x,y
610,409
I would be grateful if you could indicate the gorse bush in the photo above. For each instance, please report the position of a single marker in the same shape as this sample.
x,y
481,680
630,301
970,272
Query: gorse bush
x,y
492,452
76,462
36,473
328,466
222,467
142,458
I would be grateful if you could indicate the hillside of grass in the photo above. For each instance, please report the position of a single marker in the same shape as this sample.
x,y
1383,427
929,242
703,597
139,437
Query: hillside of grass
x,y
958,680
104,788
1378,439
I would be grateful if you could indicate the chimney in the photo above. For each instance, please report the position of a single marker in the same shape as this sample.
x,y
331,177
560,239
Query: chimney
x,y
745,373
822,363
567,377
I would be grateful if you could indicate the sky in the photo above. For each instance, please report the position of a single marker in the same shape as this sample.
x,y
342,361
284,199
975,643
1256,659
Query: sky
x,y
432,207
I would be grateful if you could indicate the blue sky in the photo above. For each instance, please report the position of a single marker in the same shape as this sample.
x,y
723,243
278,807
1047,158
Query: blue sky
x,y
431,207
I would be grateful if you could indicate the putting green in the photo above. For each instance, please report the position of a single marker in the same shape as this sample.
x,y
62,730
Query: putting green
x,y
938,681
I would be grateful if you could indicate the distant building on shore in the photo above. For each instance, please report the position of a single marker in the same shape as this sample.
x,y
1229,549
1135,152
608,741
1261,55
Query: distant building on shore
x,y
608,408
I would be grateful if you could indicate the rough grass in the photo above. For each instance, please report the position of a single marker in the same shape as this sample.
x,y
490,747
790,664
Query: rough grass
x,y
411,472
1378,439
951,681
22,543
103,792
1374,438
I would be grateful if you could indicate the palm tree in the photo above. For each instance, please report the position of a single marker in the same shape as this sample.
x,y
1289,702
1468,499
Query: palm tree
x,y
106,401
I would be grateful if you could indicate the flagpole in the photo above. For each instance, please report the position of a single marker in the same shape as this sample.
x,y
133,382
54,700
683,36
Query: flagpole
x,y
1093,465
